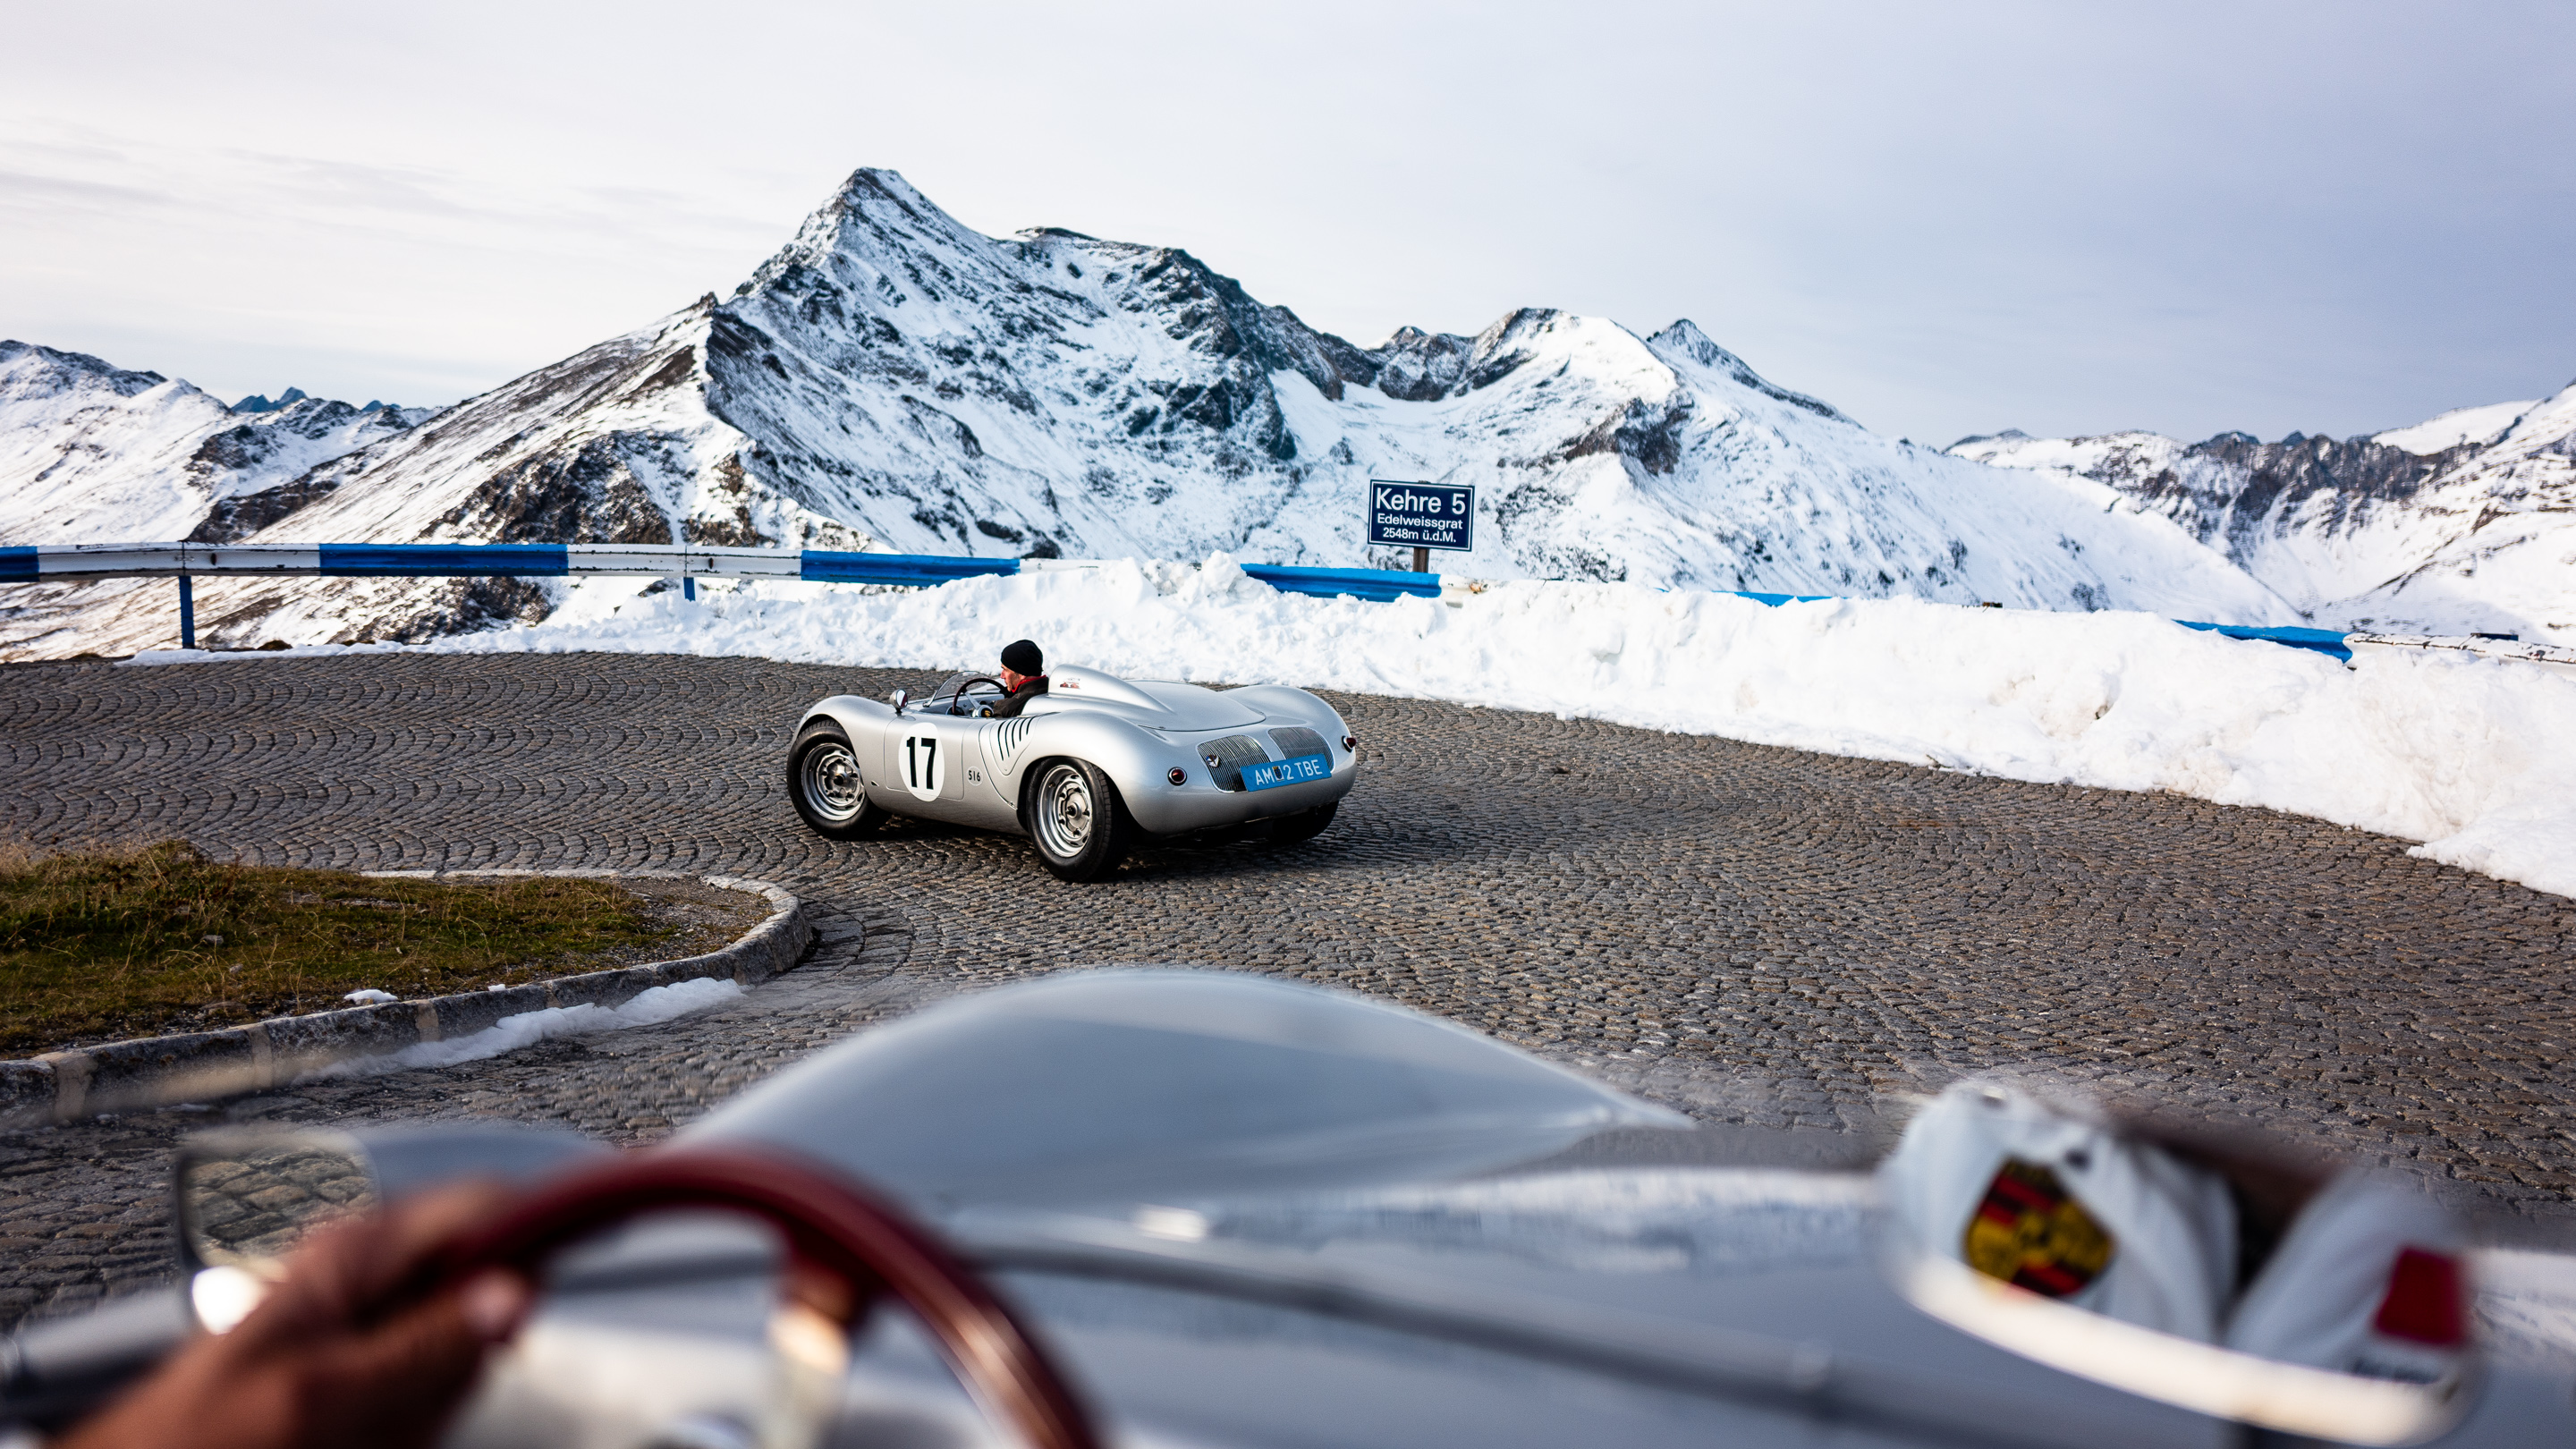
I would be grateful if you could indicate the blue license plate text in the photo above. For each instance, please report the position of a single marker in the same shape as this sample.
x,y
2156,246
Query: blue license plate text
x,y
1271,774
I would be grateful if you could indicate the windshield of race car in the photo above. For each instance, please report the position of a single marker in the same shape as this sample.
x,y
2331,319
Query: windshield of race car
x,y
965,694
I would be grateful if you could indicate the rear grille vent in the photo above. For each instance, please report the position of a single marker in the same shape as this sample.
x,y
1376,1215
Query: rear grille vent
x,y
1006,739
1295,740
1226,758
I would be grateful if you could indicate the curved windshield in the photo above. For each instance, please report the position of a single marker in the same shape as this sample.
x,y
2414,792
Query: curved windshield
x,y
965,693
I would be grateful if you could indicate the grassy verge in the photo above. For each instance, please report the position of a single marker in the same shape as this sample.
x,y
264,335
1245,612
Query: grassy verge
x,y
102,946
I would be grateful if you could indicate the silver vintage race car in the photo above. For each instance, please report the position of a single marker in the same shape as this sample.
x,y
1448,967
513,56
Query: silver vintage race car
x,y
1088,771
1163,1208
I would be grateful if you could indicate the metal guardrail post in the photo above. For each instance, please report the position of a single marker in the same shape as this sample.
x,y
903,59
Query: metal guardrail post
x,y
187,614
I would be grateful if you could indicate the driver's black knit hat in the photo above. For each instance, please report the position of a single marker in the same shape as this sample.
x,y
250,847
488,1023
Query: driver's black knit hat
x,y
1021,656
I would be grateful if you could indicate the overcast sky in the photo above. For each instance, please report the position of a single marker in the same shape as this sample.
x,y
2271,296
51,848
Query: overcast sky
x,y
1945,219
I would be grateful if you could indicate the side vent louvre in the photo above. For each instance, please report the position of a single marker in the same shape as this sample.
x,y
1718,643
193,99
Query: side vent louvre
x,y
1007,738
1226,758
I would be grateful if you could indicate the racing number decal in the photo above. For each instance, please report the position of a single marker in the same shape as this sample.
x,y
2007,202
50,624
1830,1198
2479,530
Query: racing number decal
x,y
924,765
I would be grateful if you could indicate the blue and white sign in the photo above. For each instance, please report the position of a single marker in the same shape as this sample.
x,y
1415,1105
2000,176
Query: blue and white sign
x,y
1271,774
1422,515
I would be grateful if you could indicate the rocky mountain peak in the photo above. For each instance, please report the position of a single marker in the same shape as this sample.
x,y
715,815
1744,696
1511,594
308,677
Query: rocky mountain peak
x,y
1416,366
1684,339
29,370
2456,524
892,379
258,403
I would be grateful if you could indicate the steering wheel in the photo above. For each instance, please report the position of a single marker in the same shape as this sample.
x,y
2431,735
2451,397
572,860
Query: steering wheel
x,y
831,1226
958,700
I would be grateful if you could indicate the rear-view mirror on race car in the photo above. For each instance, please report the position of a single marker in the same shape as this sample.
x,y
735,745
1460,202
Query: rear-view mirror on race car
x,y
252,1199
246,1198
2234,1277
245,1201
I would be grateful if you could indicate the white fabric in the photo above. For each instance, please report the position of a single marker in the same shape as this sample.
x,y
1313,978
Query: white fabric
x,y
2173,1226
2314,1301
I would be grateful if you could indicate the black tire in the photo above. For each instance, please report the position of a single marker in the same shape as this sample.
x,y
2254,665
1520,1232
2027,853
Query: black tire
x,y
1077,821
1303,826
825,781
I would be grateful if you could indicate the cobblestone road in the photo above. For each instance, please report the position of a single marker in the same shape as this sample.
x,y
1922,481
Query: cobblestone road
x,y
1752,934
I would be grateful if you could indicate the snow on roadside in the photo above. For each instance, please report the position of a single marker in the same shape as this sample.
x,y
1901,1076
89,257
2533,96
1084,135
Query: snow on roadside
x,y
645,1008
2471,757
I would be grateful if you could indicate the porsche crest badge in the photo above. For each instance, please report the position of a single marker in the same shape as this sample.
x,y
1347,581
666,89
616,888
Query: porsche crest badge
x,y
2030,1232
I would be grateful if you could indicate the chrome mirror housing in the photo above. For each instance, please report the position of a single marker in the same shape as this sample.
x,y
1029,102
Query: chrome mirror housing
x,y
2235,1278
898,699
246,1197
250,1198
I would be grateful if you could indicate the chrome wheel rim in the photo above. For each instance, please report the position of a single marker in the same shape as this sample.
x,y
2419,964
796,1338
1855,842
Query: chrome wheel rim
x,y
1064,812
830,777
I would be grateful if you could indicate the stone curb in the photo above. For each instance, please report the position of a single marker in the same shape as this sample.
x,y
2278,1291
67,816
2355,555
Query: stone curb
x,y
156,1071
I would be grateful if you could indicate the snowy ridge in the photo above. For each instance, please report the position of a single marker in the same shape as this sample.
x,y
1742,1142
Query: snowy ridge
x,y
2465,523
892,379
2460,427
83,443
2465,754
90,453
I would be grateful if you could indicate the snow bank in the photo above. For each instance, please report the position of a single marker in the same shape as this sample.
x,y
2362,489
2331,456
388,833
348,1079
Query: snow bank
x,y
2471,757
646,1008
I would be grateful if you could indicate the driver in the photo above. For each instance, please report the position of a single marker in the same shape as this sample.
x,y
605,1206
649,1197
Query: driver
x,y
1023,674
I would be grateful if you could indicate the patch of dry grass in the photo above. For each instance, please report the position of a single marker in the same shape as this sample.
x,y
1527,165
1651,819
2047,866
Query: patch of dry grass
x,y
102,945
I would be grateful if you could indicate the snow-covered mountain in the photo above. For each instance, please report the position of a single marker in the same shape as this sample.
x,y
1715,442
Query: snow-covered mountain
x,y
892,379
92,454
2465,523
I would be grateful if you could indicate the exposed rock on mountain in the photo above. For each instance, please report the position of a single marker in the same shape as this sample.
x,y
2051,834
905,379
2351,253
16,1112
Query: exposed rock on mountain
x,y
90,453
2465,523
892,379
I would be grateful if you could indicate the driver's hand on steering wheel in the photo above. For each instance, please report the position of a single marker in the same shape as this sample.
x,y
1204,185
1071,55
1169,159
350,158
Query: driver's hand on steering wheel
x,y
332,1357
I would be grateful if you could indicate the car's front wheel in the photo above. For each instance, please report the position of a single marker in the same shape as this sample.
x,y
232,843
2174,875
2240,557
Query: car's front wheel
x,y
823,779
1077,821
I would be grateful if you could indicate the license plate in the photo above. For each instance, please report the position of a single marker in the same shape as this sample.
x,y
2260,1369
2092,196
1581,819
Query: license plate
x,y
1271,774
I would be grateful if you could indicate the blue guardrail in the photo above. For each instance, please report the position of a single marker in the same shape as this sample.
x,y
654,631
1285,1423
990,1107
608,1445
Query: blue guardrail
x,y
2324,641
918,570
442,560
902,570
1382,586
1776,600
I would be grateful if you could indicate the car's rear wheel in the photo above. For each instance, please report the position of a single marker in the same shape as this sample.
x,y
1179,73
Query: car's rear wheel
x,y
1304,825
824,780
1077,821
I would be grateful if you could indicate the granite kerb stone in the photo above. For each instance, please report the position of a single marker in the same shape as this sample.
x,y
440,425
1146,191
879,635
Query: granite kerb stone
x,y
202,1066
468,1012
26,1090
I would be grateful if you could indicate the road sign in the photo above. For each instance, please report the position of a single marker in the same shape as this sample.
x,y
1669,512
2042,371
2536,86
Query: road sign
x,y
1421,515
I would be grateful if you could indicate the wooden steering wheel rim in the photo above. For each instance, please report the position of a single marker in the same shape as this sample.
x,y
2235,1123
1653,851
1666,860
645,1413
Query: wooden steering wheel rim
x,y
829,1222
